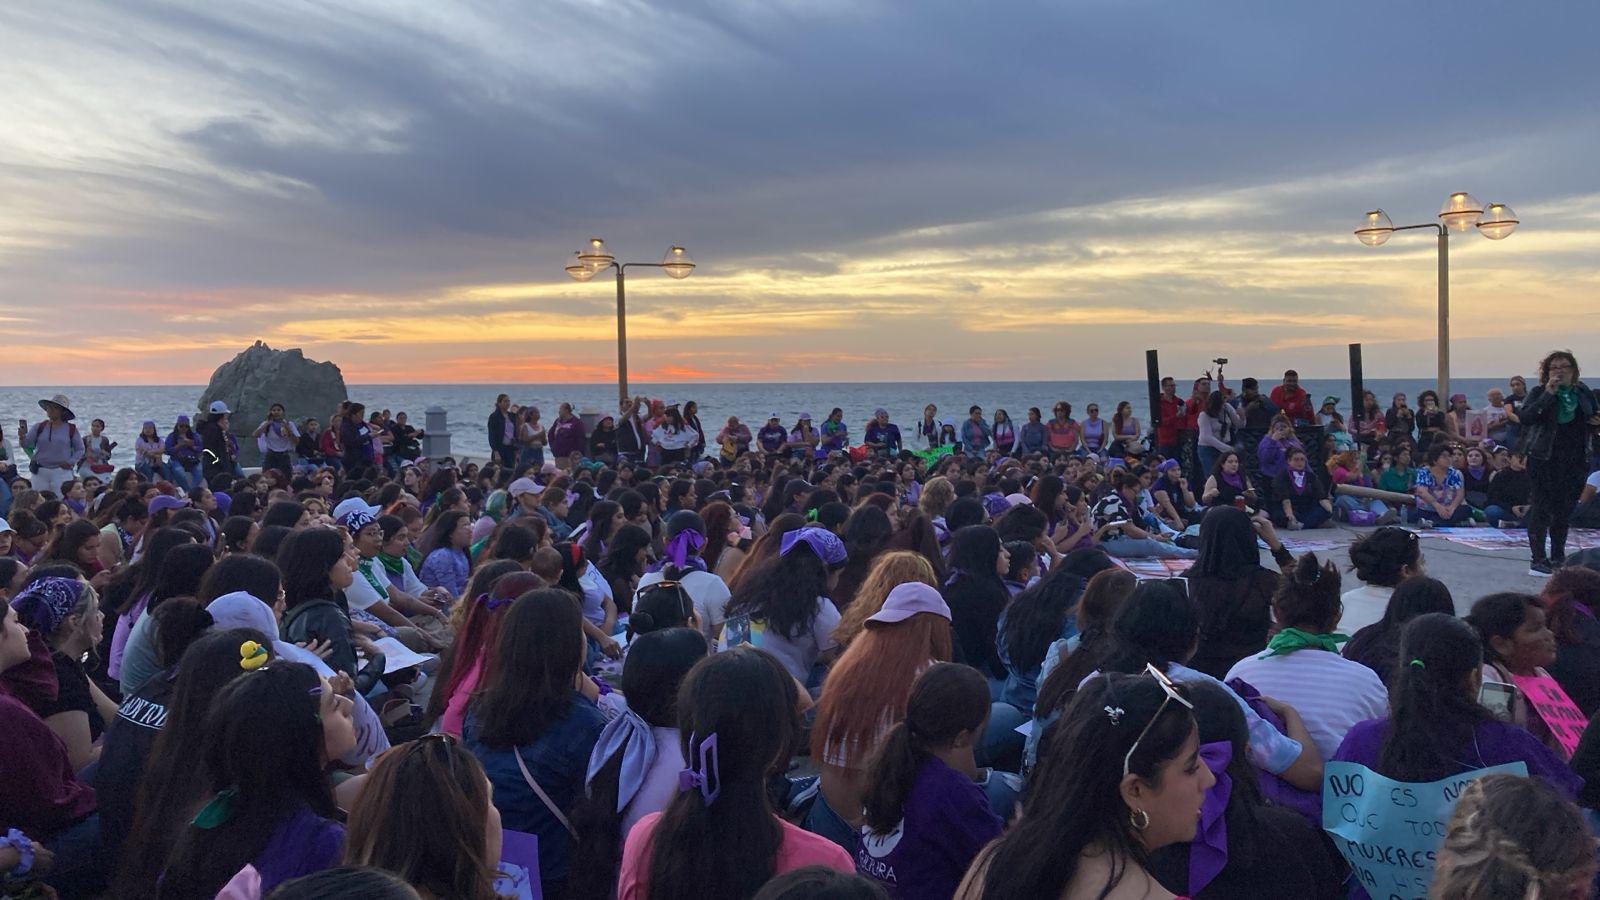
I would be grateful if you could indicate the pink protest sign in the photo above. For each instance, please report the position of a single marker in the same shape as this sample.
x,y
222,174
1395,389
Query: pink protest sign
x,y
1547,698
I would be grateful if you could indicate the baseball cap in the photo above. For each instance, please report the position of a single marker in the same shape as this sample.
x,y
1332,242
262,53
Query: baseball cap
x,y
217,406
524,486
5,527
906,600
166,501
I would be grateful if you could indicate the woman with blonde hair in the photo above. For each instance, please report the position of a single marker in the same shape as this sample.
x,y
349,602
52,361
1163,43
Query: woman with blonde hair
x,y
1514,837
937,495
893,568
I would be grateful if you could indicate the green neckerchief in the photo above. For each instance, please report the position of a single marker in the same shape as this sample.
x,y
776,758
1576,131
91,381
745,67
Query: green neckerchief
x,y
365,568
394,565
1566,403
1291,639
218,811
414,556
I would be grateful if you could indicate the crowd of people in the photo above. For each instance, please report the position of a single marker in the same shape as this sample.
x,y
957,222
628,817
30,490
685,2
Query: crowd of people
x,y
785,663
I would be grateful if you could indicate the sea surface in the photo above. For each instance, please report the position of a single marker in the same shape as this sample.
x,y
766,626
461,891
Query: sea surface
x,y
124,407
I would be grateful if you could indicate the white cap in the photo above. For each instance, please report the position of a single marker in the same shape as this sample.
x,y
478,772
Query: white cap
x,y
354,504
217,406
524,486
5,527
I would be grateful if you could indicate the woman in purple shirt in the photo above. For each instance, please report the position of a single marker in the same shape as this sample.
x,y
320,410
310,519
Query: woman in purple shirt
x,y
1436,727
926,816
1273,451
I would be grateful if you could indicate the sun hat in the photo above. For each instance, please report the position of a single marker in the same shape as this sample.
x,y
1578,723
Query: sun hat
x,y
61,401
219,408
524,486
906,600
166,501
354,504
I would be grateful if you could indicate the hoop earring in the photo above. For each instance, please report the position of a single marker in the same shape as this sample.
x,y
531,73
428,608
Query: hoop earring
x,y
1139,819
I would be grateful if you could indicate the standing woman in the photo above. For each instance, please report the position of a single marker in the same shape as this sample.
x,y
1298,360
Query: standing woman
x,y
530,439
1430,418
1003,432
1217,424
356,438
930,425
691,419
1124,430
1556,422
278,438
1399,420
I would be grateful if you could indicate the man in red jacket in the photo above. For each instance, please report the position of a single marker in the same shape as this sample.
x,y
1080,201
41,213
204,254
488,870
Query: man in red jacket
x,y
1171,421
1293,400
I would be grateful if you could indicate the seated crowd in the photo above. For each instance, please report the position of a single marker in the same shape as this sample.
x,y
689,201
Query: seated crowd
x,y
803,668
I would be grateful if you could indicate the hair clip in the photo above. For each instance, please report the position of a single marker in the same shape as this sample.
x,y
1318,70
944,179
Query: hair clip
x,y
252,656
1116,713
707,761
1419,664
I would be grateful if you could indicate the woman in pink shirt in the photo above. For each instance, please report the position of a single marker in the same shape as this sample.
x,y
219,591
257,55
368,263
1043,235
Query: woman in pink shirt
x,y
488,597
720,836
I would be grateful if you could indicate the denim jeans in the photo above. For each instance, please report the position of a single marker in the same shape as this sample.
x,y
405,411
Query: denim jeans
x,y
1351,504
1001,745
187,475
1128,548
1499,515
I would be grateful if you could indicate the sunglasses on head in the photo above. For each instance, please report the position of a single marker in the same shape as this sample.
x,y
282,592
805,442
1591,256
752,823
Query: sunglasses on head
x,y
1171,691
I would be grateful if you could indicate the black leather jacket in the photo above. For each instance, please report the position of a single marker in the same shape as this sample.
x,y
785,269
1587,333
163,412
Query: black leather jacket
x,y
1538,415
325,620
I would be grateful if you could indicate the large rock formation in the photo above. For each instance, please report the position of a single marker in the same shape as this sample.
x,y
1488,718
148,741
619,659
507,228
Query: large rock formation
x,y
261,376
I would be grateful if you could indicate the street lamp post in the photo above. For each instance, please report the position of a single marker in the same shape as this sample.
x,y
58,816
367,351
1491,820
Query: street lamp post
x,y
1459,213
593,259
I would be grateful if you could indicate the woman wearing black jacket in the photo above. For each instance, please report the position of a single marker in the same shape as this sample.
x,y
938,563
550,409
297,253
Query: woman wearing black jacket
x,y
1231,590
1558,419
355,436
215,457
316,570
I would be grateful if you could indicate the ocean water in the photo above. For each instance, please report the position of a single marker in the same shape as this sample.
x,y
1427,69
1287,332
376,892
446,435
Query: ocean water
x,y
124,407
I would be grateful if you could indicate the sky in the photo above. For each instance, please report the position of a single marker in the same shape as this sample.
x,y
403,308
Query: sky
x,y
872,191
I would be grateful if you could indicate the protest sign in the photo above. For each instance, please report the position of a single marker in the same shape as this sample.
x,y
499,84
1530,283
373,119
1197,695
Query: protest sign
x,y
1557,710
519,866
1389,830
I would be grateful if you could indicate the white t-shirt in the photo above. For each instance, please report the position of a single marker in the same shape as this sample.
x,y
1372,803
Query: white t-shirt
x,y
596,591
798,654
361,593
710,596
1331,693
1363,606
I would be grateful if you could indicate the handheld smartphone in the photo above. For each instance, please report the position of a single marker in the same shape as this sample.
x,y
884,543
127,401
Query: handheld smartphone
x,y
1496,697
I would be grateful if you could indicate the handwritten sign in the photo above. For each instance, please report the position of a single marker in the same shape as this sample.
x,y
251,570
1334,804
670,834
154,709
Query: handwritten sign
x,y
1557,710
1390,830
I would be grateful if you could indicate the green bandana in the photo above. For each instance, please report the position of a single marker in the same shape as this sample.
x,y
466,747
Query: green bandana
x,y
394,565
1291,639
1566,403
217,812
365,568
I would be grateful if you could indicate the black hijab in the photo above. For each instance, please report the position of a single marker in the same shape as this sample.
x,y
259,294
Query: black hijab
x,y
1227,545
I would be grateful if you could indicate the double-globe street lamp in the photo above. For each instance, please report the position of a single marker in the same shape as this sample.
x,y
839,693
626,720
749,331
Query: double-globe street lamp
x,y
593,259
1459,213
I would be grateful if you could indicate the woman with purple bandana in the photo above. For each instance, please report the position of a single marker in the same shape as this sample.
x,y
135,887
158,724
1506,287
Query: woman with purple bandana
x,y
783,606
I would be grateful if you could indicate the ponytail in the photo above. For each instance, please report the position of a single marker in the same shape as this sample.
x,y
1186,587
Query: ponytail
x,y
946,700
1431,714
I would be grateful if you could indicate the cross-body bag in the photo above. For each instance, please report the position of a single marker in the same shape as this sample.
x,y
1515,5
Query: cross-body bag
x,y
539,791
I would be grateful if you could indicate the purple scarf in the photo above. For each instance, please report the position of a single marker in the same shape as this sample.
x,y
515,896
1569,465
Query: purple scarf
x,y
1299,480
1208,853
1236,479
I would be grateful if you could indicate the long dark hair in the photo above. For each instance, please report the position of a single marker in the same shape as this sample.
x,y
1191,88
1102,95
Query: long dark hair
x,y
1102,599
171,789
1035,618
438,534
946,700
273,777
528,681
727,848
140,578
620,565
1074,799
656,666
1156,626
421,816
181,573
1431,714
478,626
305,559
784,591
600,515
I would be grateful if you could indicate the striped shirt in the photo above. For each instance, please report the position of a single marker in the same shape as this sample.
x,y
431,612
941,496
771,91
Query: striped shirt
x,y
1331,693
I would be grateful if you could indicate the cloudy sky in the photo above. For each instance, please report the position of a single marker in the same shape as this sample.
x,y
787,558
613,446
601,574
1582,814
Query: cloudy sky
x,y
924,190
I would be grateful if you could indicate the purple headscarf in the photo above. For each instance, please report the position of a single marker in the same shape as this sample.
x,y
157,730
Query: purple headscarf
x,y
1208,853
824,543
45,604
